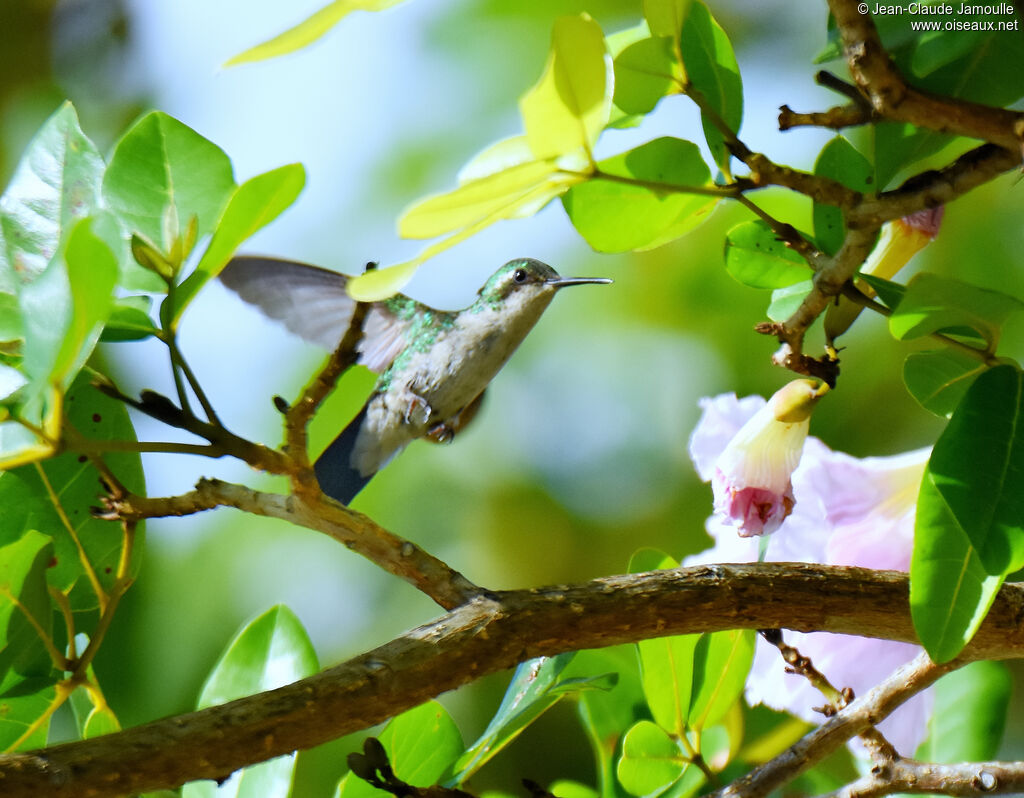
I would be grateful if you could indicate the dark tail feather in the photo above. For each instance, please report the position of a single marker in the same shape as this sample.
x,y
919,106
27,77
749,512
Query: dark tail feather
x,y
337,478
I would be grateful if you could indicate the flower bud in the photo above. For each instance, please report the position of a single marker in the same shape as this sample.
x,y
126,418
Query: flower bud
x,y
751,481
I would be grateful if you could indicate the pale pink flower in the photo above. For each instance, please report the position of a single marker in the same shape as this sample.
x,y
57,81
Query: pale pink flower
x,y
848,511
751,474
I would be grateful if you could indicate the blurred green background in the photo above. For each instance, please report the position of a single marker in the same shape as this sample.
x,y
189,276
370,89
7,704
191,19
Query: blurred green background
x,y
580,454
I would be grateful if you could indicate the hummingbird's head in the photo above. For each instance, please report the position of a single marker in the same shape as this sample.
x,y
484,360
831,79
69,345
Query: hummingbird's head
x,y
526,279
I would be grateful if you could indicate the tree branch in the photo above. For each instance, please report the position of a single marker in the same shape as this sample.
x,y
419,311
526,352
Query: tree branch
x,y
910,776
489,634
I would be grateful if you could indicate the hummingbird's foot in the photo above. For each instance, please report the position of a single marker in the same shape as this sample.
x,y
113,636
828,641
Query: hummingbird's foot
x,y
441,433
417,409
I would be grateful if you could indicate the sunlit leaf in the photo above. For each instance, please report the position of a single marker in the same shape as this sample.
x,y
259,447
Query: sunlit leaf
x,y
950,593
840,161
938,379
933,303
978,467
666,17
56,182
755,256
644,73
271,651
721,663
308,31
568,108
786,301
651,760
254,204
637,212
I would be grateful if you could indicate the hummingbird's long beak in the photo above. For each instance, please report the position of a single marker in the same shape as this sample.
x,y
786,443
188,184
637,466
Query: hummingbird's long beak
x,y
561,282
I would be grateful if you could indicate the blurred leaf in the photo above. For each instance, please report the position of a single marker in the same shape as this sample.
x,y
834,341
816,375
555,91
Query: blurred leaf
x,y
271,651
93,716
978,467
969,716
307,31
29,505
422,745
890,293
840,161
645,72
711,69
616,216
536,686
564,788
950,593
616,43
666,17
129,320
939,378
786,301
937,48
254,204
10,381
10,318
933,303
41,408
163,171
721,663
22,702
651,760
56,182
755,256
568,107
23,566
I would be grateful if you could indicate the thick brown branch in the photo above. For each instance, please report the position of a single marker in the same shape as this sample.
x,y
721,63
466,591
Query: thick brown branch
x,y
394,554
489,634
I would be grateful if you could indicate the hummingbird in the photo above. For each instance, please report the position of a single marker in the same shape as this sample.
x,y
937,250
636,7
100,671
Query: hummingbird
x,y
433,364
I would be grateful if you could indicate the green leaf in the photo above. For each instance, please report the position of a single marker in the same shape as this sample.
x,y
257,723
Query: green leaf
x,y
786,301
11,380
711,69
23,566
617,216
890,293
651,760
29,504
645,72
950,593
666,17
22,702
755,256
839,160
666,668
568,107
939,378
255,203
129,320
55,183
721,663
536,686
307,31
969,715
93,715
10,317
271,651
978,467
163,173
422,745
933,303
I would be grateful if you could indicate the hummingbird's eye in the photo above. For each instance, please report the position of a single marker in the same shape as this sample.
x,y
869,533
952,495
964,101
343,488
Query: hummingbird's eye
x,y
519,276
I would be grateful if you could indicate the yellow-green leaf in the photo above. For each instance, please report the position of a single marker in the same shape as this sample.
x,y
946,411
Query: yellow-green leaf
x,y
382,283
570,105
307,31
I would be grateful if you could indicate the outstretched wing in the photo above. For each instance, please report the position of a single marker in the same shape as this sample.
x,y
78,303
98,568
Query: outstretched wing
x,y
313,303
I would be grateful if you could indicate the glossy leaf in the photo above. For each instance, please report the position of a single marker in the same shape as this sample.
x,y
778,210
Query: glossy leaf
x,y
307,31
969,717
56,182
950,592
755,256
161,174
721,663
616,216
29,504
978,467
422,745
271,651
651,760
939,378
536,686
645,72
711,68
786,301
666,17
933,303
568,108
254,204
840,161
